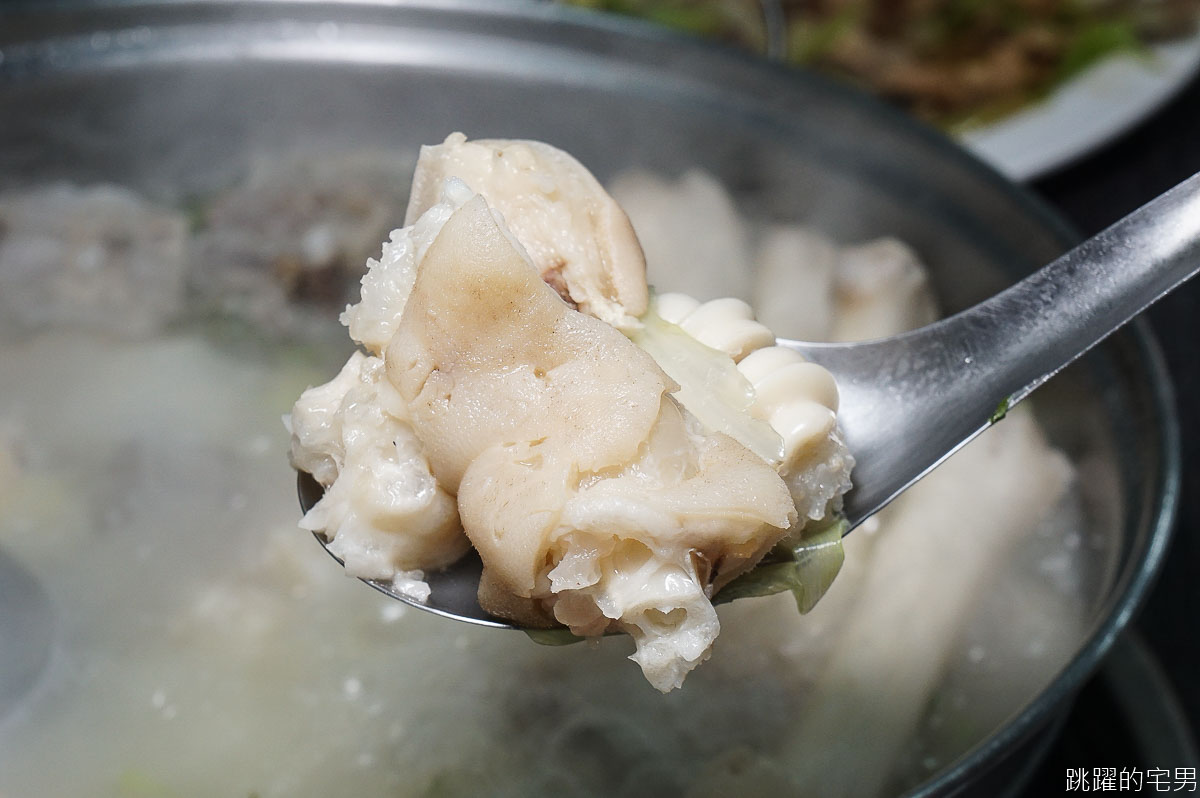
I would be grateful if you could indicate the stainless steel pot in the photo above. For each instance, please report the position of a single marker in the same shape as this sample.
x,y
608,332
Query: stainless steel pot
x,y
177,98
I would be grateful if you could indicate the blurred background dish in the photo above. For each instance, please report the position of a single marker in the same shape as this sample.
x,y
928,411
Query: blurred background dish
x,y
1028,85
1086,112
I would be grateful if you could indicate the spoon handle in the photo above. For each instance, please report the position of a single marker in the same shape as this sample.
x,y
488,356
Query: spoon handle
x,y
1050,318
909,402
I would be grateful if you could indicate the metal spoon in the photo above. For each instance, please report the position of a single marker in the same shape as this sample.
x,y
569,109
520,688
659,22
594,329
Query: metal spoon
x,y
910,401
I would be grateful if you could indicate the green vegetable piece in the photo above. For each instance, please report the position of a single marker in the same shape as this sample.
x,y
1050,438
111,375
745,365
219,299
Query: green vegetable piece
x,y
810,39
1001,410
138,783
1096,42
806,567
552,637
195,209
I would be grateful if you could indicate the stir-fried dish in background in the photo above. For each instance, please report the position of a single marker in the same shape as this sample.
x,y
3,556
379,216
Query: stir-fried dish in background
x,y
955,63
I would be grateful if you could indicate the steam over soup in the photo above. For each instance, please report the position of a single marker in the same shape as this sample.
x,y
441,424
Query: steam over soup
x,y
203,647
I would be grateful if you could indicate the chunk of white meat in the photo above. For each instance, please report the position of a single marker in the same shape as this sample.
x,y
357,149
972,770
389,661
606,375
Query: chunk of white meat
x,y
880,289
810,289
295,231
383,512
794,280
388,281
98,258
690,230
579,239
573,467
888,659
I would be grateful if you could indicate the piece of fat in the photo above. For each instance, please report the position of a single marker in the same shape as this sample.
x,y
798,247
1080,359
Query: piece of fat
x,y
577,236
383,512
693,236
564,449
486,351
880,289
941,544
388,281
794,282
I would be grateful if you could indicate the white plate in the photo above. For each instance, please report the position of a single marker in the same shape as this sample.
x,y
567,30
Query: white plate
x,y
1087,112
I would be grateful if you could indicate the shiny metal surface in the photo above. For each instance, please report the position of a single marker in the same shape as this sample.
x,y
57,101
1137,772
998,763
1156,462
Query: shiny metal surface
x,y
175,98
908,403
